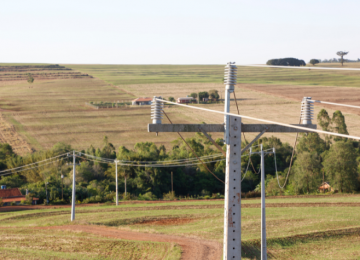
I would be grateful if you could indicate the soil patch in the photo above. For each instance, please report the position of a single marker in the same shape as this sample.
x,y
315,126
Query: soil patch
x,y
192,248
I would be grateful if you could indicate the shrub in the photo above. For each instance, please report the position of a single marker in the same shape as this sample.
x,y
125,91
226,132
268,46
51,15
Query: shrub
x,y
171,99
169,196
314,61
1,202
13,203
147,196
206,197
108,203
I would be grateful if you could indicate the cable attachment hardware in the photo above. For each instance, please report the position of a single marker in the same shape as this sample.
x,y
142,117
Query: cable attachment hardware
x,y
307,111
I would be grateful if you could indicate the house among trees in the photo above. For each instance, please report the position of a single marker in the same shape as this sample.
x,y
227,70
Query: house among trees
x,y
186,100
142,101
325,186
13,195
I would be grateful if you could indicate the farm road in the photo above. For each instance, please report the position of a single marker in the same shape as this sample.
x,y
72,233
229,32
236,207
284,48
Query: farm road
x,y
192,248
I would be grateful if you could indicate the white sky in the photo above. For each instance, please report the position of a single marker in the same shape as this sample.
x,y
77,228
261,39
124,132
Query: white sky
x,y
177,32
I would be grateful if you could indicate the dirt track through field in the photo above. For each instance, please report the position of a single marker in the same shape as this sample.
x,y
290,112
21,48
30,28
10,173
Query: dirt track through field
x,y
192,248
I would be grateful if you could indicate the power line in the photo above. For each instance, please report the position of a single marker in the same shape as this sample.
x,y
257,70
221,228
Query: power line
x,y
331,103
194,151
264,120
299,68
23,166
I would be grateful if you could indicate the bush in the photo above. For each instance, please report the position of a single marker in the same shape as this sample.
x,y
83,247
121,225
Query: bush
x,y
147,196
169,196
286,62
207,197
250,194
108,203
314,61
1,202
171,99
13,203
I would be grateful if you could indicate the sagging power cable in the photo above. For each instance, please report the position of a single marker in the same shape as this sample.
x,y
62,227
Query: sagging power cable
x,y
193,150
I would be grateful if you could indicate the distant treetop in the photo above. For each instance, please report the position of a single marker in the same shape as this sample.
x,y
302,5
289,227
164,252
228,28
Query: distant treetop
x,y
286,62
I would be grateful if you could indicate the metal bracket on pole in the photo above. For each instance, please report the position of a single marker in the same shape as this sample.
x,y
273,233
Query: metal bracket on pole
x,y
253,141
212,140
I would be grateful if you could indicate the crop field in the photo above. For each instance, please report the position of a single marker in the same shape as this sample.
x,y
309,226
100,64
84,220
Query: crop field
x,y
38,115
314,227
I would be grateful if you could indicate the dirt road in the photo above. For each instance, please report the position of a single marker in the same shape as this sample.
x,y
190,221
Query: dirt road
x,y
192,248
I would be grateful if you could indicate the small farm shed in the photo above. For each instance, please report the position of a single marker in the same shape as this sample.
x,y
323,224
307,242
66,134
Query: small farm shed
x,y
325,186
13,195
185,100
142,101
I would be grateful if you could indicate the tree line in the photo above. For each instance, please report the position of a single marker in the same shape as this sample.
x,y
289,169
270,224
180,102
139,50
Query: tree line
x,y
335,160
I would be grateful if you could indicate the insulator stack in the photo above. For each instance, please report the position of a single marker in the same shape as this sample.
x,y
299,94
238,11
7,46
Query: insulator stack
x,y
230,74
156,110
307,111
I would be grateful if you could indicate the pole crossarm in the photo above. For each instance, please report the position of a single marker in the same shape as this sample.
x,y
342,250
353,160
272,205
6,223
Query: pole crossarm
x,y
249,128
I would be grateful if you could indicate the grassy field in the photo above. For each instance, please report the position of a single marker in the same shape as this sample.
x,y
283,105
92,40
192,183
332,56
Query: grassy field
x,y
149,74
296,232
30,243
50,111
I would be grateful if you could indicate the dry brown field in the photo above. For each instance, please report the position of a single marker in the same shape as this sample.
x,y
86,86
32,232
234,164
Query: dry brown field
x,y
38,115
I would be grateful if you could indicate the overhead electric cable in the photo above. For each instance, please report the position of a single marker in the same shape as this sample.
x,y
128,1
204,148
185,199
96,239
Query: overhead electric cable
x,y
299,68
193,150
22,170
243,132
156,165
331,103
23,166
149,162
264,120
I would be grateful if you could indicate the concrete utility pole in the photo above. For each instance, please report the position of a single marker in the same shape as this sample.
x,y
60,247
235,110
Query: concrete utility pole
x,y
116,182
73,190
232,135
263,215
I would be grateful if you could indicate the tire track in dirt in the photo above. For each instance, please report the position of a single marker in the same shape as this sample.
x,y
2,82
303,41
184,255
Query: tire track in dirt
x,y
192,248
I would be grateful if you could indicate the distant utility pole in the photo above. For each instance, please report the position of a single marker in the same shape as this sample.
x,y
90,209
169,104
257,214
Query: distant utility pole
x,y
73,190
172,187
116,182
263,215
232,130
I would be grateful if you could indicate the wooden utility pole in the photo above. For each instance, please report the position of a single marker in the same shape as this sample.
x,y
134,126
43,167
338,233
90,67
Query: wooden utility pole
x,y
232,134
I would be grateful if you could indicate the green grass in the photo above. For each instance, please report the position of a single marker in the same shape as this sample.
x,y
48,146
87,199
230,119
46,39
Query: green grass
x,y
28,243
291,231
150,74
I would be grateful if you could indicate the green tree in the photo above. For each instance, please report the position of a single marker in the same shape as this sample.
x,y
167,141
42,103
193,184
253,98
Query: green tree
x,y
172,99
203,95
338,125
307,175
311,143
214,94
30,78
194,95
314,61
341,166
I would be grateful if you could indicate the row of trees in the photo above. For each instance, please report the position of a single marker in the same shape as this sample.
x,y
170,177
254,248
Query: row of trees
x,y
331,159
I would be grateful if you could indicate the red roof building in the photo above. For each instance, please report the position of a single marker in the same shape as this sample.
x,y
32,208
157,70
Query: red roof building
x,y
142,101
12,195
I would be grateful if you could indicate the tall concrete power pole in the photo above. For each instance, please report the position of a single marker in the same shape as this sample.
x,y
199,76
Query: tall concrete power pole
x,y
232,134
